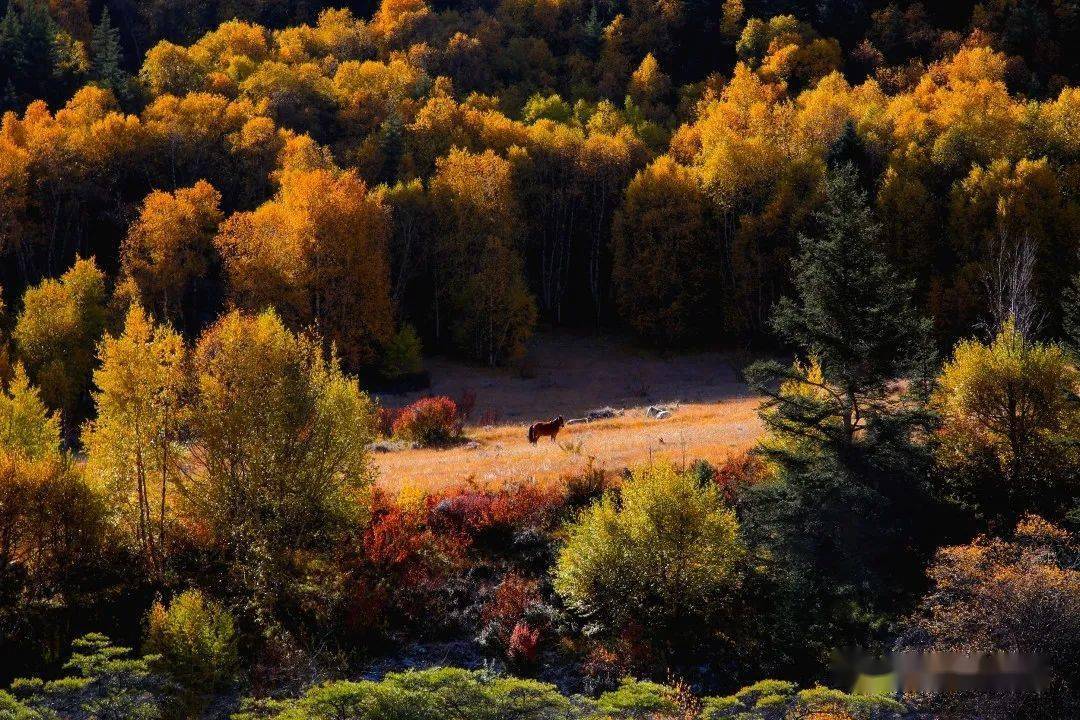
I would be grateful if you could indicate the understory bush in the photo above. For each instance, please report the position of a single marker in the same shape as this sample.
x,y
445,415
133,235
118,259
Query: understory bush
x,y
507,621
196,640
402,565
386,418
429,421
770,699
440,693
113,684
492,517
665,555
434,694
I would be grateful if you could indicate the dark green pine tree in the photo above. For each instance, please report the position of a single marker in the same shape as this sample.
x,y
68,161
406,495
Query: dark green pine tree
x,y
852,318
847,513
849,147
1070,314
106,68
28,39
12,57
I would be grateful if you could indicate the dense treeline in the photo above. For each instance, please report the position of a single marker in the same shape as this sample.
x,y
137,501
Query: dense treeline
x,y
587,155
216,216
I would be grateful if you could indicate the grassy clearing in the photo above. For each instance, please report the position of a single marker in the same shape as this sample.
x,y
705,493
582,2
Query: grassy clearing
x,y
715,415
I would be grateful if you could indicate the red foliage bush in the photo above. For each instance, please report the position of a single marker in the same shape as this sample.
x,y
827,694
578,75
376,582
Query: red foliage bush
x,y
524,643
429,421
466,403
503,617
479,513
509,602
523,506
402,564
397,538
386,419
739,472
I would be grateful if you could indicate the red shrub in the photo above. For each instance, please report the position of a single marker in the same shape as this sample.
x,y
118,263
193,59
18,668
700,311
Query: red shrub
x,y
508,603
402,565
466,403
503,617
739,472
386,419
484,512
524,506
524,642
429,421
397,537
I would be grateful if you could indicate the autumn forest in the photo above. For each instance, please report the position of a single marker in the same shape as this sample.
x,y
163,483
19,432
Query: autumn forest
x,y
232,231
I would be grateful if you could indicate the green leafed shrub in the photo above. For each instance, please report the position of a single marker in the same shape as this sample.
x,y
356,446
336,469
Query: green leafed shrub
x,y
196,640
667,556
434,694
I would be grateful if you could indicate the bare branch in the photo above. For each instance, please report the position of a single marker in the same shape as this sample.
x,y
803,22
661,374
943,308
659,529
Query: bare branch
x,y
1008,284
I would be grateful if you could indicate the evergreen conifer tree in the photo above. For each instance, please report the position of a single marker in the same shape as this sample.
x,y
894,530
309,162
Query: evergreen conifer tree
x,y
845,510
12,50
107,58
866,354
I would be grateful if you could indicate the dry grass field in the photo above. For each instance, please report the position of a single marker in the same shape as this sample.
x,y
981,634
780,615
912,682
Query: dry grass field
x,y
714,414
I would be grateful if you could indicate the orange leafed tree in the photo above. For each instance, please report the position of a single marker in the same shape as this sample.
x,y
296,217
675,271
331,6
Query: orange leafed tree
x,y
479,275
169,247
318,253
664,273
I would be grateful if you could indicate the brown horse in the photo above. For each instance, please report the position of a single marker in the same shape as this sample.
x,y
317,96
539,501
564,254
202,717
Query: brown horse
x,y
551,428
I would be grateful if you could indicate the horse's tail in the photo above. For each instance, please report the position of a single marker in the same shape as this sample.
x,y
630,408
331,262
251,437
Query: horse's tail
x,y
532,434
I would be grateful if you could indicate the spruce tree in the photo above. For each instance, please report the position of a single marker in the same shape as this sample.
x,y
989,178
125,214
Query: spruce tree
x,y
849,147
38,58
29,39
866,355
107,58
12,57
1070,314
844,513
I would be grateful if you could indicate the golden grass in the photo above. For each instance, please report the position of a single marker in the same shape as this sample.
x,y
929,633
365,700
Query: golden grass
x,y
708,430
572,373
